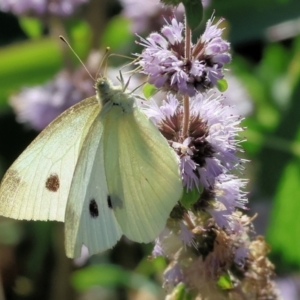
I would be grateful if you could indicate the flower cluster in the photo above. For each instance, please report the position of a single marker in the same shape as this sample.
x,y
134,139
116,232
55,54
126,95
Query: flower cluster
x,y
208,239
208,154
163,59
41,8
211,141
37,106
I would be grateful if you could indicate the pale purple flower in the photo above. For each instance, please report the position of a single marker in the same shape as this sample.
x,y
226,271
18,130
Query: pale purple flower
x,y
186,235
174,236
84,256
289,287
221,215
147,15
229,194
214,46
237,96
189,170
38,106
41,7
158,249
240,255
213,142
163,59
172,276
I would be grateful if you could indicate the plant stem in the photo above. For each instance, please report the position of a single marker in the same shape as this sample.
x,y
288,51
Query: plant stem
x,y
188,221
186,106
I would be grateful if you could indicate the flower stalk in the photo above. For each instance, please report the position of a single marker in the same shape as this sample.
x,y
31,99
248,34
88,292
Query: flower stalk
x,y
186,116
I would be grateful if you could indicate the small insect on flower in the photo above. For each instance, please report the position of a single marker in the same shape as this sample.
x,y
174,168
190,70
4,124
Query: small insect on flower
x,y
163,58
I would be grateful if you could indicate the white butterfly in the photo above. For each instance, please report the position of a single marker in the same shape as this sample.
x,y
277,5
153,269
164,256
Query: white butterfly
x,y
103,168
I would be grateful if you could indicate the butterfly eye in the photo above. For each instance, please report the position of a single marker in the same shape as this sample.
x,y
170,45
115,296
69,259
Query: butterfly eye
x,y
94,209
52,183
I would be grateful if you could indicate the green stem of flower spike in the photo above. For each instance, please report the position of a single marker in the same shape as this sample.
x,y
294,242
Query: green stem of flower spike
x,y
186,106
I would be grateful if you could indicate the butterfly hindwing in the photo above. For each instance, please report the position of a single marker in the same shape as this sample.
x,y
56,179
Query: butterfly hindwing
x,y
36,186
90,219
142,173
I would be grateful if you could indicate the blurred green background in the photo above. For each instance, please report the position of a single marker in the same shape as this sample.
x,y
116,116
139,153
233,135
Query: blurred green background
x,y
265,39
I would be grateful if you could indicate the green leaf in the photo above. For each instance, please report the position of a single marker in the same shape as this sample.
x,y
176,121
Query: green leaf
x,y
117,33
224,282
194,12
240,31
149,90
31,26
283,231
41,233
80,33
109,275
104,275
190,197
10,232
180,292
149,267
27,63
222,85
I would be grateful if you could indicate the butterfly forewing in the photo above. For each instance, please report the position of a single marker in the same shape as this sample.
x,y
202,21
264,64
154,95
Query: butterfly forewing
x,y
36,186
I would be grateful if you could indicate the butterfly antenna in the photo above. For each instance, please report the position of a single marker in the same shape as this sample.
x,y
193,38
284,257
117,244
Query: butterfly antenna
x,y
124,56
68,44
105,56
131,63
137,69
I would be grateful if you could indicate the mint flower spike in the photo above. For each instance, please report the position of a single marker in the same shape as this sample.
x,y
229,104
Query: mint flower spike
x,y
163,59
212,146
207,242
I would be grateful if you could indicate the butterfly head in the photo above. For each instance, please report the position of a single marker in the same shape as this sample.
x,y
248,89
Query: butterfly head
x,y
104,89
113,96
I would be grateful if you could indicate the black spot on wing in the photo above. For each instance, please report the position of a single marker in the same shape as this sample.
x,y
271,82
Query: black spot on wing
x,y
52,183
109,202
93,207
